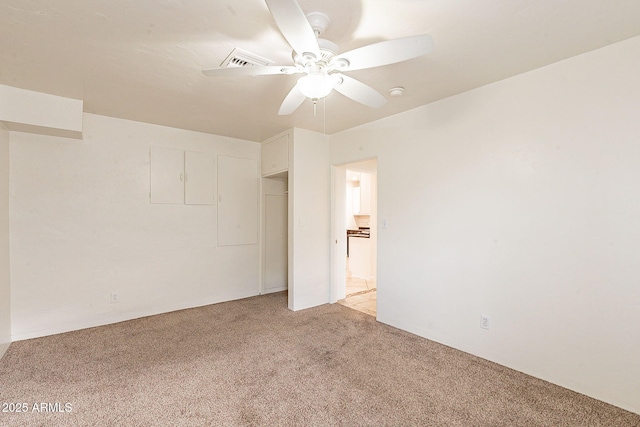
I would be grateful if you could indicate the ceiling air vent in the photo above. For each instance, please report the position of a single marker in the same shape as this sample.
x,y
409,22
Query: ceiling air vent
x,y
242,58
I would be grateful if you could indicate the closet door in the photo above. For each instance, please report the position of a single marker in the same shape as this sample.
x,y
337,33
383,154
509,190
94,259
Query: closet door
x,y
237,201
276,243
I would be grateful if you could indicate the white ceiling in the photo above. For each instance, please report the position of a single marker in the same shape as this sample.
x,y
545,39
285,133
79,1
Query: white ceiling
x,y
142,59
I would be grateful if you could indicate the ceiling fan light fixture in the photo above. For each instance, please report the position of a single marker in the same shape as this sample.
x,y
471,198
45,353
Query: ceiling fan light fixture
x,y
315,85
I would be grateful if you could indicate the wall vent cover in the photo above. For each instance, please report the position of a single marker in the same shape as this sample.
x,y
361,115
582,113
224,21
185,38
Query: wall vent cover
x,y
242,58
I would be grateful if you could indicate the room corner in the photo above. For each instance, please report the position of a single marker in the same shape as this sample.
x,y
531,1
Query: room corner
x,y
5,292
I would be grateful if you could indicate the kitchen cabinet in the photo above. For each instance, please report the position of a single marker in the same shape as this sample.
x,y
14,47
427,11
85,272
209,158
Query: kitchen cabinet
x,y
181,177
360,257
362,195
275,155
365,194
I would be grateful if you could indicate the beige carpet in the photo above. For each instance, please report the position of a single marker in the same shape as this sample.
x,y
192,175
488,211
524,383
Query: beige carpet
x,y
253,362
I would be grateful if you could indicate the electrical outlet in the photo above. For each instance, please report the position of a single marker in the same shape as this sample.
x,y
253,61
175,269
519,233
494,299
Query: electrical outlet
x,y
114,298
485,322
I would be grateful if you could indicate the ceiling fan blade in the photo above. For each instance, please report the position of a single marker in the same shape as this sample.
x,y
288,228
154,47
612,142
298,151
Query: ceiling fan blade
x,y
292,101
386,52
254,70
294,26
360,92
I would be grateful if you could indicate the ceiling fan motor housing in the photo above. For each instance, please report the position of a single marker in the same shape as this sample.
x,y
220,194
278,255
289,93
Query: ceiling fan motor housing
x,y
308,61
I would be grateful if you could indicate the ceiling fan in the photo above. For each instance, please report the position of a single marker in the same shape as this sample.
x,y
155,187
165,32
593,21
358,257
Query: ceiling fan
x,y
318,59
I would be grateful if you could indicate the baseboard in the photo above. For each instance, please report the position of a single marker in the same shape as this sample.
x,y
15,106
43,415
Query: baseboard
x,y
429,335
3,349
273,290
117,317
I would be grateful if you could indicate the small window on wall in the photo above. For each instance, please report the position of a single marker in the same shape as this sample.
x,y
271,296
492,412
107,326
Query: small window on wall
x,y
181,177
237,201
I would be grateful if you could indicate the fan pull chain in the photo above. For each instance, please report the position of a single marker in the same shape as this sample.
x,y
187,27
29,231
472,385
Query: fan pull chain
x,y
324,115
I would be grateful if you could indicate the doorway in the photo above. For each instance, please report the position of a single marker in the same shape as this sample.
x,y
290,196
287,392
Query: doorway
x,y
355,230
275,266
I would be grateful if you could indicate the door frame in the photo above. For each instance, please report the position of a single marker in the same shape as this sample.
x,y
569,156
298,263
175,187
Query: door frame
x,y
337,289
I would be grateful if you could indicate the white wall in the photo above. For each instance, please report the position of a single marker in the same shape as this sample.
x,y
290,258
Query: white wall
x,y
5,289
82,227
28,111
519,200
309,213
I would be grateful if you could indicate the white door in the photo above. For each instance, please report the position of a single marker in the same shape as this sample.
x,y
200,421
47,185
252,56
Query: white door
x,y
276,243
339,237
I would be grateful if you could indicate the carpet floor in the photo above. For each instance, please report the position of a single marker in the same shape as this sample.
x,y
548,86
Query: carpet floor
x,y
253,362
